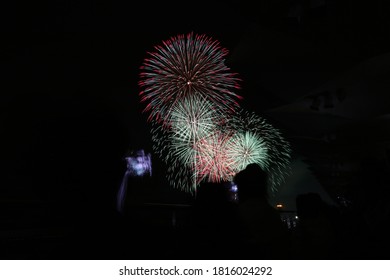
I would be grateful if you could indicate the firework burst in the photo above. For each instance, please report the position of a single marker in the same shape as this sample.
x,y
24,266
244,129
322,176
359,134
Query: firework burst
x,y
189,92
278,151
192,119
212,160
245,148
186,66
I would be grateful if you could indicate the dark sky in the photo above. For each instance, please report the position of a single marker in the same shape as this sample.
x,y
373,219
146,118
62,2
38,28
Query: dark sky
x,y
69,73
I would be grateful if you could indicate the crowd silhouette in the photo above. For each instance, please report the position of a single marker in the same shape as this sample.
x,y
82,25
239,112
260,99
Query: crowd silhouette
x,y
249,227
214,226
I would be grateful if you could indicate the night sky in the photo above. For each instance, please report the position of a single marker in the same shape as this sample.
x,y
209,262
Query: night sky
x,y
70,108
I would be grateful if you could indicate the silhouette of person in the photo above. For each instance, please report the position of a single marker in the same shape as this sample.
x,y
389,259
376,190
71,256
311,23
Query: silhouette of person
x,y
265,235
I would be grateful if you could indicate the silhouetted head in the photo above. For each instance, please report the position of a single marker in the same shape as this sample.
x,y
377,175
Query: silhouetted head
x,y
251,182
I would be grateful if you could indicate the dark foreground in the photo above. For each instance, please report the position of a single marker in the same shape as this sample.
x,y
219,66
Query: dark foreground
x,y
156,231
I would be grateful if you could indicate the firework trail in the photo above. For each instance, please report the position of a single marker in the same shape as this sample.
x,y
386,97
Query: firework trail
x,y
213,163
177,156
192,119
184,66
245,148
223,154
221,149
277,149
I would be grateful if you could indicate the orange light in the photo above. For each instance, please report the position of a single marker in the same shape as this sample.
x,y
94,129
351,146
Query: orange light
x,y
279,205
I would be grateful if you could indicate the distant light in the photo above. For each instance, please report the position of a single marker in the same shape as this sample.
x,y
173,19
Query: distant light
x,y
279,205
296,217
139,164
234,188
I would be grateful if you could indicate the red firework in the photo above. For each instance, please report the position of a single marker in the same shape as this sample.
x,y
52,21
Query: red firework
x,y
183,66
212,161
